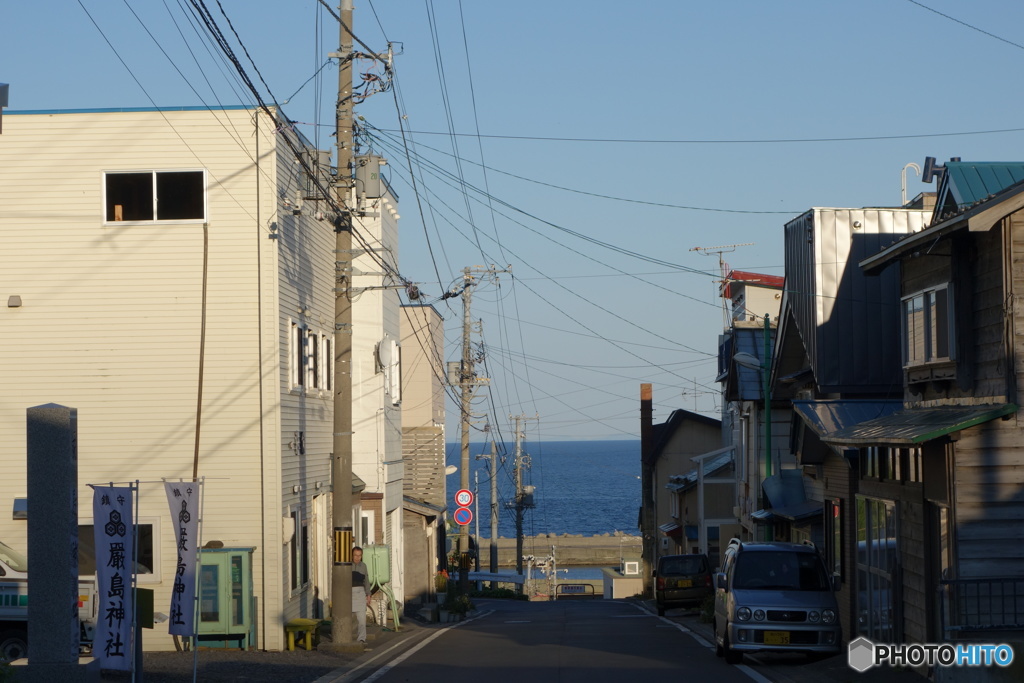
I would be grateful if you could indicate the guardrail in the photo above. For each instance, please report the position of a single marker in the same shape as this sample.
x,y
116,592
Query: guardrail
x,y
574,590
990,604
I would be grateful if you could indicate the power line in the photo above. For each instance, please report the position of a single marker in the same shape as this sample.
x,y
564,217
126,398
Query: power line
x,y
751,141
964,23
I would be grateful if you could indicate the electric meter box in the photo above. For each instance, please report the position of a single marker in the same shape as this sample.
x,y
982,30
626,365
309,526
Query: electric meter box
x,y
378,563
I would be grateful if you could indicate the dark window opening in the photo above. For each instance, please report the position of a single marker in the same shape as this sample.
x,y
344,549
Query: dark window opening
x,y
87,550
179,195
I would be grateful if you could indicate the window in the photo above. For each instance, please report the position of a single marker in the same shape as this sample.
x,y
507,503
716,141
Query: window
x,y
927,327
310,359
154,196
298,550
834,536
145,565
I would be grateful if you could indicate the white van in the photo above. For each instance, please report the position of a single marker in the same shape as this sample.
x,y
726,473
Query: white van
x,y
775,597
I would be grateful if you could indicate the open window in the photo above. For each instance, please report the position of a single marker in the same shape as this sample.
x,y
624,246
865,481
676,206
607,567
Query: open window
x,y
154,196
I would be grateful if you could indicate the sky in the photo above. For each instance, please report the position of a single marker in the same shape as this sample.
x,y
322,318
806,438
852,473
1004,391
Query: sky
x,y
589,147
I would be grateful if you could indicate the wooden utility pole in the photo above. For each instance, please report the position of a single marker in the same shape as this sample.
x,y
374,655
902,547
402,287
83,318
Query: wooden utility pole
x,y
341,459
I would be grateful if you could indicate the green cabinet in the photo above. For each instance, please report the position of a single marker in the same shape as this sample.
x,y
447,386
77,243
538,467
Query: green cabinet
x,y
225,597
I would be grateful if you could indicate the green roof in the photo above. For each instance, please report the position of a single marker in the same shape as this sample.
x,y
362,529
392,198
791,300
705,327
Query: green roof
x,y
966,183
917,425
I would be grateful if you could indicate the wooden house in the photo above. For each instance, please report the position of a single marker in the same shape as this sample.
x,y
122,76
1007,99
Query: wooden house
x,y
939,504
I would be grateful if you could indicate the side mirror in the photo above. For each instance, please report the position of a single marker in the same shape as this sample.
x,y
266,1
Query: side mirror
x,y
721,581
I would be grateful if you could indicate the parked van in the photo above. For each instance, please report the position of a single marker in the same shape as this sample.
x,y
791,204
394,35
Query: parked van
x,y
682,581
774,597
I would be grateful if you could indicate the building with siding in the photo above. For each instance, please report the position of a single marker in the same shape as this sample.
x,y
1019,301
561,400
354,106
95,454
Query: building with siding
x,y
423,448
835,365
377,367
170,274
939,491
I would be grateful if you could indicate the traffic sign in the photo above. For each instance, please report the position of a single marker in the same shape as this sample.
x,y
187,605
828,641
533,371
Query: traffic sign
x,y
464,498
463,516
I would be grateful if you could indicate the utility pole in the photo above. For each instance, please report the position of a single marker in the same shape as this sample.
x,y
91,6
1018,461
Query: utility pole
x,y
493,467
524,495
468,380
341,462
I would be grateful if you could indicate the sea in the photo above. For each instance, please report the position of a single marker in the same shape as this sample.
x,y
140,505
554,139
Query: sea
x,y
587,488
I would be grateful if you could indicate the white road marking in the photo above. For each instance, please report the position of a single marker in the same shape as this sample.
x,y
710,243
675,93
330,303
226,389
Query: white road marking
x,y
340,677
753,675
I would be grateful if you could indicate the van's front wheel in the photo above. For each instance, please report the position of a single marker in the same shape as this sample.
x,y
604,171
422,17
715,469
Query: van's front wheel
x,y
13,645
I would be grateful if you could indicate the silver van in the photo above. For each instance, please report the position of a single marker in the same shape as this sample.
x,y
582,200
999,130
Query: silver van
x,y
774,597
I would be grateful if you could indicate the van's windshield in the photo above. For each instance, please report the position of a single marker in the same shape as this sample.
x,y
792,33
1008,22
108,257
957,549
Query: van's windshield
x,y
779,570
682,564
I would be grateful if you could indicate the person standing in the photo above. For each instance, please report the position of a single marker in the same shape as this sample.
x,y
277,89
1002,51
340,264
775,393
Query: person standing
x,y
360,592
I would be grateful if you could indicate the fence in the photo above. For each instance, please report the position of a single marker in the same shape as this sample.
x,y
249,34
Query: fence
x,y
991,604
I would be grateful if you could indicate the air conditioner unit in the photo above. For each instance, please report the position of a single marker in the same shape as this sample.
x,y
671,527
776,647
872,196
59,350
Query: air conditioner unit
x,y
631,568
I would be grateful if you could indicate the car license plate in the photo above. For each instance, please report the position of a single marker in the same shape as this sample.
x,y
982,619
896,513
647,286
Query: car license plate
x,y
776,637
684,583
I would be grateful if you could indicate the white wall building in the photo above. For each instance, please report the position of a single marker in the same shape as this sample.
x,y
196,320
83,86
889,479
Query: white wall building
x,y
376,371
125,232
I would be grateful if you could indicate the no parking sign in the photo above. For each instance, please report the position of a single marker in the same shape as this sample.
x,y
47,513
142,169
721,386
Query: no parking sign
x,y
463,516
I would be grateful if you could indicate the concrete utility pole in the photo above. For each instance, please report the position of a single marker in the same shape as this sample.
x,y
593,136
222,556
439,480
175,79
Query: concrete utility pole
x,y
468,380
523,496
341,463
493,467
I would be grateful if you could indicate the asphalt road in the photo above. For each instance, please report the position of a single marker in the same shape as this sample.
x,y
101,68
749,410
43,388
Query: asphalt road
x,y
597,641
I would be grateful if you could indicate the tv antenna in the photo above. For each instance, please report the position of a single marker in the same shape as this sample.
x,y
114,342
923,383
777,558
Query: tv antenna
x,y
723,269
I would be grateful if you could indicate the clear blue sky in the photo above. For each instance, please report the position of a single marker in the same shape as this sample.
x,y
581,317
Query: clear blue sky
x,y
631,106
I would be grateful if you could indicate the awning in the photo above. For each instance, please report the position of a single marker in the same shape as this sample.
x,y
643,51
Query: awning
x,y
917,425
792,513
826,417
671,529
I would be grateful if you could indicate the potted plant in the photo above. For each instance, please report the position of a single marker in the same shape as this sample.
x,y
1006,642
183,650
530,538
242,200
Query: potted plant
x,y
460,605
441,586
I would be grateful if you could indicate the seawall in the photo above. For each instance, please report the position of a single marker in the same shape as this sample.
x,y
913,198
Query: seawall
x,y
606,550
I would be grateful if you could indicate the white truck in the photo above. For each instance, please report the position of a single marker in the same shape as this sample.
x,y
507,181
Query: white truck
x,y
14,605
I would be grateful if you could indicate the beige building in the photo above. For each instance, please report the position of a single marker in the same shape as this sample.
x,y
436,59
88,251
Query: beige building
x,y
170,274
423,447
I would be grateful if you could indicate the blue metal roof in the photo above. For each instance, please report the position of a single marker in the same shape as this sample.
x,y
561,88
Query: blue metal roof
x,y
748,380
965,183
825,417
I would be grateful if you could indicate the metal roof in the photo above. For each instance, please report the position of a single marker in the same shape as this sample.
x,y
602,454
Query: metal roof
x,y
826,417
917,425
748,380
969,182
683,482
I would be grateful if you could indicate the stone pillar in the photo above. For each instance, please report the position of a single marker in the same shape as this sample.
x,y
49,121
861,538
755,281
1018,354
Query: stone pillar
x,y
53,632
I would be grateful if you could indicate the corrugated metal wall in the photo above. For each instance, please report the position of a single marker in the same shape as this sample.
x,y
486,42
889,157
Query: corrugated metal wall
x,y
848,321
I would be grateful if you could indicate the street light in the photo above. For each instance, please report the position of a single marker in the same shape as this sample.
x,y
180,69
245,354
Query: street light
x,y
749,360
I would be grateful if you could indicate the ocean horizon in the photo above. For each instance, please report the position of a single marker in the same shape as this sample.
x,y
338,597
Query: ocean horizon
x,y
586,488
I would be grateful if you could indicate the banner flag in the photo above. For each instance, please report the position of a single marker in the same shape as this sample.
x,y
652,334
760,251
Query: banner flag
x,y
113,531
183,499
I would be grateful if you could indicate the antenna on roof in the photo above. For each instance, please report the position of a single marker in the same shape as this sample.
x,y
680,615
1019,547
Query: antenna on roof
x,y
722,268
934,170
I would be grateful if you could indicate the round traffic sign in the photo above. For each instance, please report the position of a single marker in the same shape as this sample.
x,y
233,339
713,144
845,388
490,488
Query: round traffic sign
x,y
464,498
463,516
